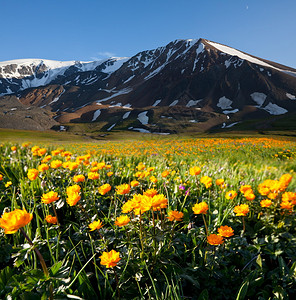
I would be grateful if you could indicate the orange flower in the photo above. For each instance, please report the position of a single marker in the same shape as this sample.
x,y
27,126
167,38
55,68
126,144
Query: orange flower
x,y
79,178
46,159
225,231
104,189
13,148
249,195
175,215
73,198
241,210
122,221
244,188
123,189
32,174
93,175
50,219
289,196
50,197
135,183
109,174
219,182
73,189
1,177
153,179
56,164
13,221
95,225
194,171
265,203
150,192
165,173
230,195
110,259
286,205
200,208
43,167
41,151
215,239
207,181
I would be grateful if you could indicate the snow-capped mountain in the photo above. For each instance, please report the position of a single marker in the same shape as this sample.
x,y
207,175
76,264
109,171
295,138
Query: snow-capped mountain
x,y
187,82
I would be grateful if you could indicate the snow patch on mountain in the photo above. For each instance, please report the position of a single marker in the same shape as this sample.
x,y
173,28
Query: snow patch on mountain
x,y
96,115
226,112
192,102
126,115
274,109
143,118
290,96
175,102
259,98
121,92
156,102
224,103
57,98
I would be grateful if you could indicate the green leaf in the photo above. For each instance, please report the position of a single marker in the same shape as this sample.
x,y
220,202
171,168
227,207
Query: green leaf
x,y
243,290
259,261
204,295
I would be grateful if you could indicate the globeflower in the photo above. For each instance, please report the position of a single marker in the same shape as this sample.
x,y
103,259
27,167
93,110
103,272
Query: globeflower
x,y
43,167
215,239
265,203
93,175
165,173
241,210
104,189
73,198
95,225
13,148
49,197
207,181
135,183
32,174
11,222
73,189
110,259
50,219
123,189
220,182
225,231
194,171
56,164
200,208
175,215
230,195
122,221
79,178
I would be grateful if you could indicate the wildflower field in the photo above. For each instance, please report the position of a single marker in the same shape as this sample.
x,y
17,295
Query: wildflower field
x,y
162,218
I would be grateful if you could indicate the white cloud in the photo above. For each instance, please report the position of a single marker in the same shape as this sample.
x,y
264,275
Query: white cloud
x,y
101,55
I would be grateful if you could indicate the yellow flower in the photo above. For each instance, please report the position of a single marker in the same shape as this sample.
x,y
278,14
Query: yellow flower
x,y
104,189
194,171
8,183
150,193
244,188
207,181
73,189
175,215
73,198
165,173
46,159
230,195
1,177
110,259
123,189
109,174
249,195
215,239
50,219
93,175
200,208
32,174
95,225
13,148
219,182
41,151
43,167
56,163
225,231
135,183
241,210
13,221
49,197
122,221
153,179
265,203
79,178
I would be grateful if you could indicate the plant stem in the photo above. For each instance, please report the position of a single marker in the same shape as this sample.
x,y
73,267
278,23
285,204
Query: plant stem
x,y
206,227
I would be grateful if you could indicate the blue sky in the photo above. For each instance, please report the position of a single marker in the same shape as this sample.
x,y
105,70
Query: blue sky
x,y
91,29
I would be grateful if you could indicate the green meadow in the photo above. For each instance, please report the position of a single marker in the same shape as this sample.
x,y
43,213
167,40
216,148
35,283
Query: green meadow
x,y
135,216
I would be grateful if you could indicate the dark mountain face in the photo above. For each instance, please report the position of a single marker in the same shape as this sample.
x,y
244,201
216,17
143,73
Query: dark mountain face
x,y
186,84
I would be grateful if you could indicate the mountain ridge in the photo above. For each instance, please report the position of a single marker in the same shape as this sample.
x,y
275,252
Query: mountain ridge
x,y
195,75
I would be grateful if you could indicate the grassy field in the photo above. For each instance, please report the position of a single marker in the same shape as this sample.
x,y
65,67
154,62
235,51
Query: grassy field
x,y
137,216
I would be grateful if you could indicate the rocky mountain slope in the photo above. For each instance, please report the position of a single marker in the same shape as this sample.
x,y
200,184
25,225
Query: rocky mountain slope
x,y
186,85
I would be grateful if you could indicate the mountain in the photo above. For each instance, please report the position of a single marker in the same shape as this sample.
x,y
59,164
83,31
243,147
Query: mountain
x,y
187,85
